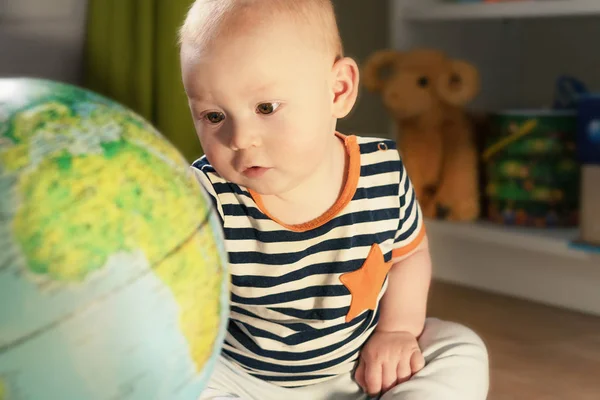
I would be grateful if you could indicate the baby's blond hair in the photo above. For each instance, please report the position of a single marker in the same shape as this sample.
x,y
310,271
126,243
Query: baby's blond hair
x,y
206,19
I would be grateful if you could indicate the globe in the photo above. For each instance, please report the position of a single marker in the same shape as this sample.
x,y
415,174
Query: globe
x,y
113,274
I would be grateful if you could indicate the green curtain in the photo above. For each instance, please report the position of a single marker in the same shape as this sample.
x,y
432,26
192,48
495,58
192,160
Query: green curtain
x,y
132,57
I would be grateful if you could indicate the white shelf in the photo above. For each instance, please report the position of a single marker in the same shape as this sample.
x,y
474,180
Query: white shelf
x,y
534,264
520,9
557,241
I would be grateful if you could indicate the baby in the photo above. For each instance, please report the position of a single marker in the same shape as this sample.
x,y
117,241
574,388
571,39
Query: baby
x,y
328,253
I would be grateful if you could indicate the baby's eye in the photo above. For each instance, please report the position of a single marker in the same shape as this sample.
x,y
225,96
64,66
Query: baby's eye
x,y
214,117
267,108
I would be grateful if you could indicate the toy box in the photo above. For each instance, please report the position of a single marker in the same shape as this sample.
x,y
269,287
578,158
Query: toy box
x,y
531,171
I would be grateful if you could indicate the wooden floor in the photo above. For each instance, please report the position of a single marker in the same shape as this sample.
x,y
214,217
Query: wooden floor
x,y
536,352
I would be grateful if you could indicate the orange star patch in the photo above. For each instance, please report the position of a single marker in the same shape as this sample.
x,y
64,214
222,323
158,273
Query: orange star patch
x,y
365,283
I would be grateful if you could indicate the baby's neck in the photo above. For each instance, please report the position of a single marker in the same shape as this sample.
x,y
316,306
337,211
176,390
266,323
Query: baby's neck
x,y
316,196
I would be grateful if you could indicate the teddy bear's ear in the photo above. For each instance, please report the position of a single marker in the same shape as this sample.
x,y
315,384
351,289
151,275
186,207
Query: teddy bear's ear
x,y
378,67
460,83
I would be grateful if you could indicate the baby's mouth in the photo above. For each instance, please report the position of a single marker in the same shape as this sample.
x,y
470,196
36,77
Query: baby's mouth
x,y
255,171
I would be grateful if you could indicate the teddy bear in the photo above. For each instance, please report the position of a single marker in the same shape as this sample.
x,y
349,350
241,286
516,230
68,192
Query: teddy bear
x,y
425,92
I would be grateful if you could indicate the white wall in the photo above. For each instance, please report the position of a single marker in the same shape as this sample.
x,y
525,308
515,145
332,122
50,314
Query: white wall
x,y
519,59
42,38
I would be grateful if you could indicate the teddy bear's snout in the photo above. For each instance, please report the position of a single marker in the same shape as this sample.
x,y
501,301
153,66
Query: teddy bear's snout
x,y
409,101
393,98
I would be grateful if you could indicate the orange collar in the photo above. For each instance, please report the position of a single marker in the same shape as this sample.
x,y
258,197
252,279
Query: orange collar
x,y
350,186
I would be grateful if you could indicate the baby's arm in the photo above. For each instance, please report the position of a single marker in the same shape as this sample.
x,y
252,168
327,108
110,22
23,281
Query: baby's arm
x,y
392,354
404,305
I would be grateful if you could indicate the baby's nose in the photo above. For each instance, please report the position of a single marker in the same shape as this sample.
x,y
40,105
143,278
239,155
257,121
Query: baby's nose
x,y
242,139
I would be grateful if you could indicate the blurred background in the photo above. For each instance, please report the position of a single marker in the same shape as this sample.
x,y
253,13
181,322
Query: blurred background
x,y
525,273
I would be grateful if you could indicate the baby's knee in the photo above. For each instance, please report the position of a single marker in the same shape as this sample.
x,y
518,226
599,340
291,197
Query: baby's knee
x,y
473,343
464,334
455,338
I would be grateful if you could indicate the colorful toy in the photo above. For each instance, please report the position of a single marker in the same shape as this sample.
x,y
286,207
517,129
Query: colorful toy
x,y
531,169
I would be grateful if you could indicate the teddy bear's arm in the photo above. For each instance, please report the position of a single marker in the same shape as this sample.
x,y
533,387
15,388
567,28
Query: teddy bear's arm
x,y
457,197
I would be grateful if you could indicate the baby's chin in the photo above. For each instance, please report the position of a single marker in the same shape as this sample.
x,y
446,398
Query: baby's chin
x,y
269,183
255,185
261,187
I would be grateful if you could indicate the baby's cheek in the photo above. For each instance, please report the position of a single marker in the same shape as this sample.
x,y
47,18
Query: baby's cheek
x,y
304,146
218,158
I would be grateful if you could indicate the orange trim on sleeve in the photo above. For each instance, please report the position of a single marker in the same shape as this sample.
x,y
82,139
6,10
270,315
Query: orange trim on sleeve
x,y
353,151
404,250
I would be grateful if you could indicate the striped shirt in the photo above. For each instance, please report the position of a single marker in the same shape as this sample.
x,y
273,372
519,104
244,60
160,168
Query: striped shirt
x,y
304,298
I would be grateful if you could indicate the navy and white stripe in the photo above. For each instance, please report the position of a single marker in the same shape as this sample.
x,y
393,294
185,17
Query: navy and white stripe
x,y
288,305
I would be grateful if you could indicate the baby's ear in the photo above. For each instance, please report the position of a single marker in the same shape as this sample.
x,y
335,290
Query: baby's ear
x,y
345,86
379,67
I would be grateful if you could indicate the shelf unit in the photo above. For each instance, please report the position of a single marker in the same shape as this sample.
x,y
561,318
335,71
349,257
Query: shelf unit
x,y
428,11
555,241
530,263
520,48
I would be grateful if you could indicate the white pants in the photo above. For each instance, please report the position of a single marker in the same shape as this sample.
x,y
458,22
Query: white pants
x,y
456,368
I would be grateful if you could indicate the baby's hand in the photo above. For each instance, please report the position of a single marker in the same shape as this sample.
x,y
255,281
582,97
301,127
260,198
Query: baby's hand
x,y
386,360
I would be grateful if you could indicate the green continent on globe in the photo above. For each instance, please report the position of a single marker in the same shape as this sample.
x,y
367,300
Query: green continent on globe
x,y
199,318
90,198
93,179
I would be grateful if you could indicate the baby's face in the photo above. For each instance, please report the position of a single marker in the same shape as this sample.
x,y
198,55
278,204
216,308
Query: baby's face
x,y
262,106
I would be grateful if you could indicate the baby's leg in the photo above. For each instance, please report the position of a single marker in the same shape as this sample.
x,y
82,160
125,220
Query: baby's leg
x,y
228,383
215,394
456,366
